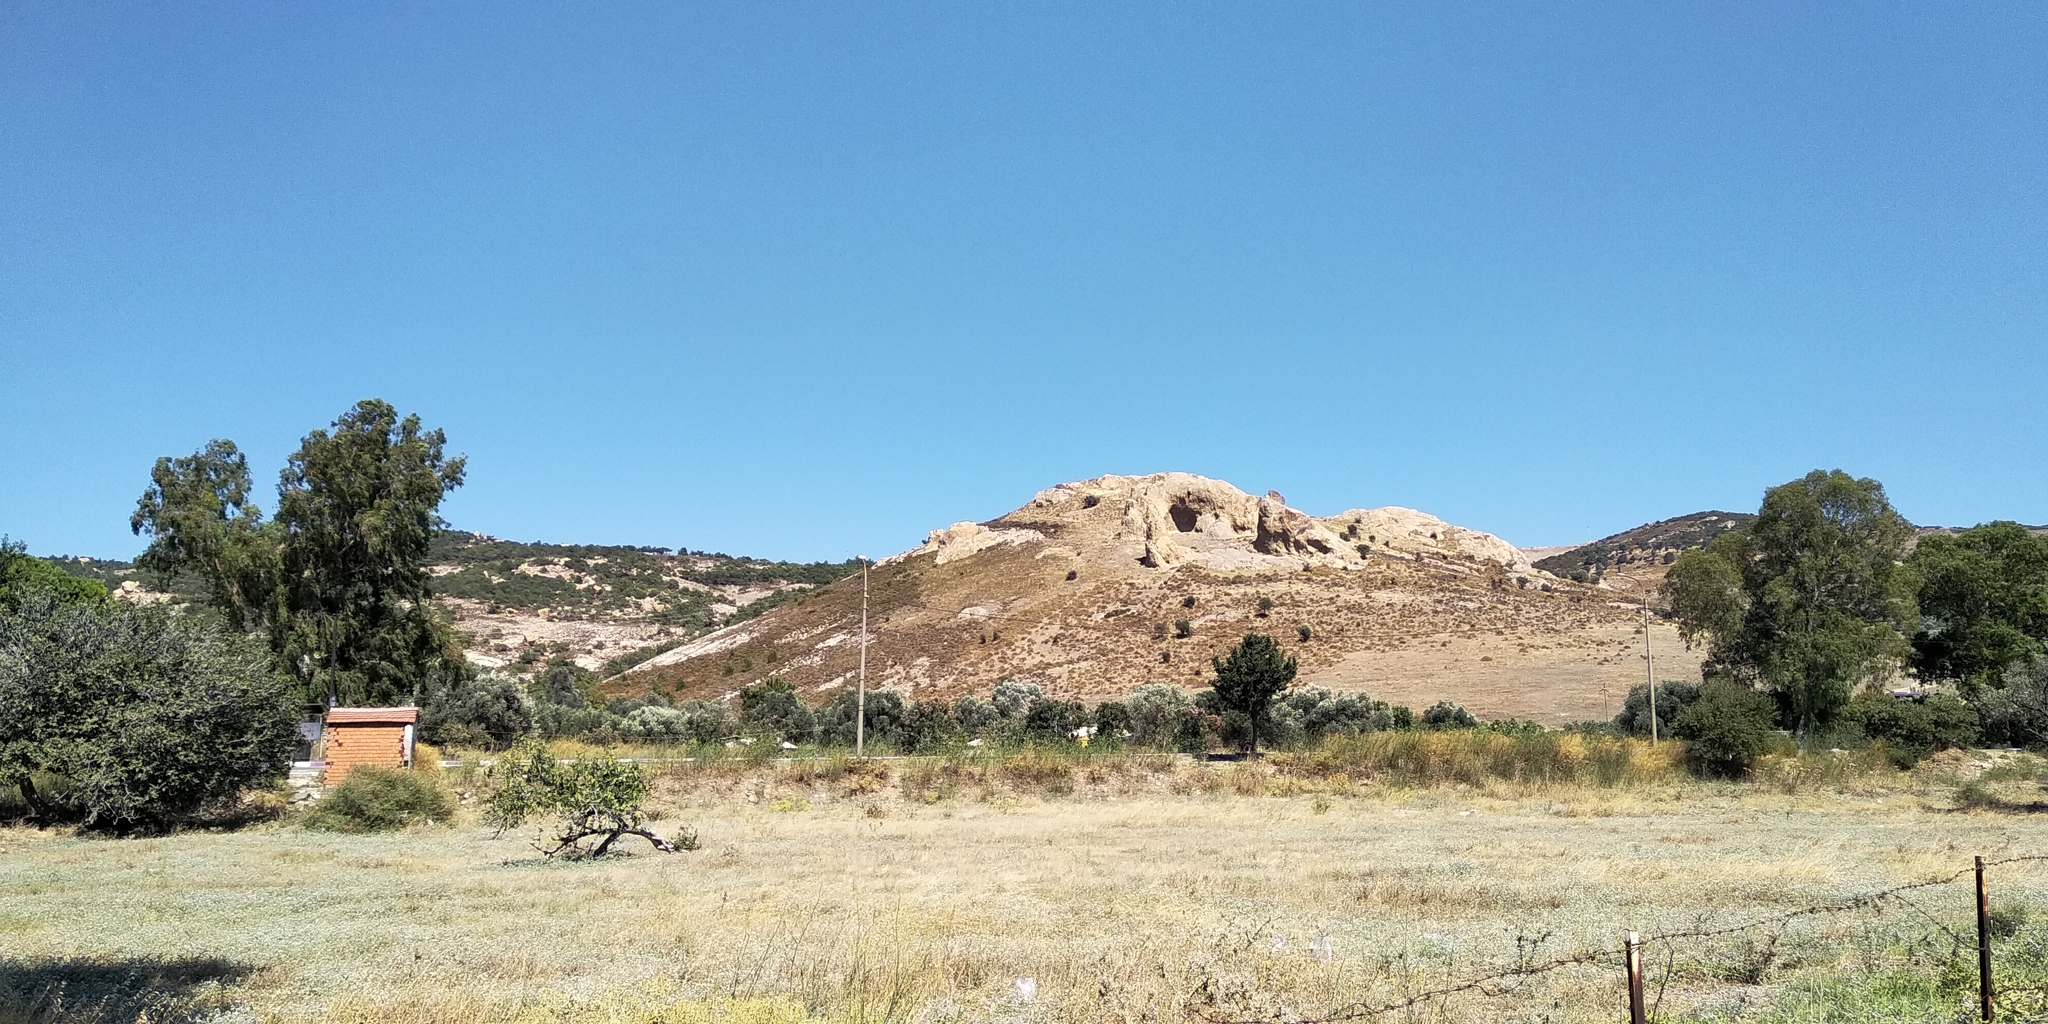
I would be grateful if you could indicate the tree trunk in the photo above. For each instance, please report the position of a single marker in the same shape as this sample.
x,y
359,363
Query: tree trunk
x,y
30,797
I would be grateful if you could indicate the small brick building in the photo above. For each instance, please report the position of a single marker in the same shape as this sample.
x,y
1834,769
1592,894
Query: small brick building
x,y
368,736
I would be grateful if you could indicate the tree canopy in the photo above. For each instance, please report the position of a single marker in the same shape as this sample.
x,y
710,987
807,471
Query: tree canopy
x,y
1247,680
22,574
337,579
200,518
1807,600
1983,603
143,716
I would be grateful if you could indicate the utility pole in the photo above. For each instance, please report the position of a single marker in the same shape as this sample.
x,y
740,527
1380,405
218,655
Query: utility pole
x,y
1649,663
1649,668
860,713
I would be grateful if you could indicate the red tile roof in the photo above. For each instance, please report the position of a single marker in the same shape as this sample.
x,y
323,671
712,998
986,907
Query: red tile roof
x,y
350,716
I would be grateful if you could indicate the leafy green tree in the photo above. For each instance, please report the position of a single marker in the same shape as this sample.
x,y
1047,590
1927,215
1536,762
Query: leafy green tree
x,y
1983,603
1914,729
1446,715
1672,698
1726,729
563,684
591,798
145,716
22,574
337,579
1809,599
1247,680
200,519
772,708
1049,718
358,507
489,710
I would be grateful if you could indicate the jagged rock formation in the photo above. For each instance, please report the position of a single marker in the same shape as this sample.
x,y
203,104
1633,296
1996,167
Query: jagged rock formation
x,y
1081,589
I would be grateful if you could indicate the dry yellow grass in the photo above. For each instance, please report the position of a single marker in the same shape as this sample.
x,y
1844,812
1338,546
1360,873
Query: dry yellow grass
x,y
924,892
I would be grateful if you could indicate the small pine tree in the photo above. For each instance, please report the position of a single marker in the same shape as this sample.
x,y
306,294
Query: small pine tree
x,y
1255,672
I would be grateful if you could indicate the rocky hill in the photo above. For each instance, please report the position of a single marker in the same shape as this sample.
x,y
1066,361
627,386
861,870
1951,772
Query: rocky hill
x,y
1636,561
1099,586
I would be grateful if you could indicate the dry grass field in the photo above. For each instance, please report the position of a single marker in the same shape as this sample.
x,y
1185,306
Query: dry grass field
x,y
1124,890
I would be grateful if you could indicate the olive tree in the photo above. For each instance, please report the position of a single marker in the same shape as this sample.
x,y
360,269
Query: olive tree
x,y
590,798
143,716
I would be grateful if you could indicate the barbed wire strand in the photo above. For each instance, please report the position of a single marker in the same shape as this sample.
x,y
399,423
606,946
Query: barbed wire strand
x,y
1594,956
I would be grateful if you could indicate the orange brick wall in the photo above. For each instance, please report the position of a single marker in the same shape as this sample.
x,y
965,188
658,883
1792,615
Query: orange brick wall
x,y
353,744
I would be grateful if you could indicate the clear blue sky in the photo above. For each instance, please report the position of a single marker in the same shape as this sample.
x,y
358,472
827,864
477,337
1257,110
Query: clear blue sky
x,y
808,280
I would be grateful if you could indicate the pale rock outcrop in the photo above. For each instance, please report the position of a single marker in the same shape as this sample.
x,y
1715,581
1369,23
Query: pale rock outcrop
x,y
1409,532
963,539
1286,531
1166,520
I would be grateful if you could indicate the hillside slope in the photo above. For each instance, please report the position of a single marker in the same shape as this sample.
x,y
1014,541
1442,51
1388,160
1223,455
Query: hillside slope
x,y
1083,588
517,605
1635,562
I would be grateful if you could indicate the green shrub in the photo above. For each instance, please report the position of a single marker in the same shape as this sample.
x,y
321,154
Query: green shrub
x,y
1726,729
882,718
2016,714
1914,729
926,726
1672,698
490,710
1446,715
147,716
1157,715
1112,719
772,709
375,799
1049,719
1013,698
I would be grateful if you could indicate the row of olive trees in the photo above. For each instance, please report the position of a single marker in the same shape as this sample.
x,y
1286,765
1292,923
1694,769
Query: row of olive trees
x,y
1252,702
1830,592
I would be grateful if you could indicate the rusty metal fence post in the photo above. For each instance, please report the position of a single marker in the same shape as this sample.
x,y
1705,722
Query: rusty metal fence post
x,y
1983,945
1634,946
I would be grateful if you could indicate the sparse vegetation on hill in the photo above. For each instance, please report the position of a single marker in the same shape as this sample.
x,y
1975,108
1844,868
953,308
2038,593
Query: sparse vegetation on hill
x,y
587,581
1657,543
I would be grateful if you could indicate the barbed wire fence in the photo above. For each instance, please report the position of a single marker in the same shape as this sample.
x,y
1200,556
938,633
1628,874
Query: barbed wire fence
x,y
1629,957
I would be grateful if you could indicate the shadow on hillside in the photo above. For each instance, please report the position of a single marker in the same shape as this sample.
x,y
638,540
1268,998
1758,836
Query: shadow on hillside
x,y
115,990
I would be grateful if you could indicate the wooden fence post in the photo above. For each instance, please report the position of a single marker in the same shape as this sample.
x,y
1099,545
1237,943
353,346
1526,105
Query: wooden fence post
x,y
1983,945
1634,946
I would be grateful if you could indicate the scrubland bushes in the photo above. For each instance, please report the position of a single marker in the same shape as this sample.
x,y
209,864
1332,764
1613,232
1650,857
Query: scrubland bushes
x,y
376,799
1476,757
